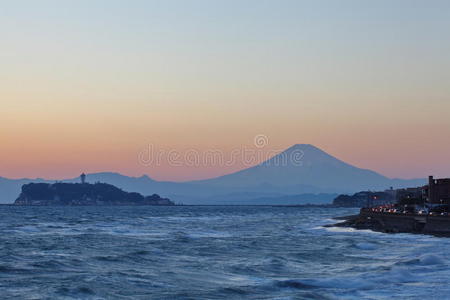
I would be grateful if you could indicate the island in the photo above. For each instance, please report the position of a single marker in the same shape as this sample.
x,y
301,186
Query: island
x,y
77,194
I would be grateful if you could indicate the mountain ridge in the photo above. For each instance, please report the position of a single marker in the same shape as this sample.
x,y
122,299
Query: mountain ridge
x,y
300,169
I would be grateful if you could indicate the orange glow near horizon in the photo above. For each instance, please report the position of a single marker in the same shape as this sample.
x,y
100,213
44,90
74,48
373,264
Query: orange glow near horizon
x,y
85,89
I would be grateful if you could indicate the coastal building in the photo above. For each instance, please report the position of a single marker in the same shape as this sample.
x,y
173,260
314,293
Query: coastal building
x,y
366,199
83,178
415,193
391,193
437,191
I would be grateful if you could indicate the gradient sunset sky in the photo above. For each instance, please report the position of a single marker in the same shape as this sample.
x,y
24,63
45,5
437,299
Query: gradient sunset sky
x,y
87,85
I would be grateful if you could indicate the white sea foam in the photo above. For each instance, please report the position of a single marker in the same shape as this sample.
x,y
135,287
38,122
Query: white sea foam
x,y
349,230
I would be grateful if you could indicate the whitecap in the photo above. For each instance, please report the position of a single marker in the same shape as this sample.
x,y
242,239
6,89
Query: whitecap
x,y
349,230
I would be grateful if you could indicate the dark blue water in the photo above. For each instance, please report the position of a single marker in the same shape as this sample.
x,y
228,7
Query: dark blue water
x,y
210,253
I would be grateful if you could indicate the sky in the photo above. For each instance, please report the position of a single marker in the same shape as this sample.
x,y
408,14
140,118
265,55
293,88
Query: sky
x,y
103,85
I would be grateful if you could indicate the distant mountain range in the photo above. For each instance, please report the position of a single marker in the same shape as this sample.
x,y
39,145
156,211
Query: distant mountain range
x,y
283,179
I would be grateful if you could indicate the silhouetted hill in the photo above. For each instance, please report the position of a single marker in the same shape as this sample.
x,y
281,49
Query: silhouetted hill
x,y
83,194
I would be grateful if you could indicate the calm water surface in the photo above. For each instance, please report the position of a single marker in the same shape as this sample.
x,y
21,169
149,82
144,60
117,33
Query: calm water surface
x,y
211,253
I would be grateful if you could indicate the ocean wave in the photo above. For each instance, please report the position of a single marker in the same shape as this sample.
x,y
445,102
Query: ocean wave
x,y
363,281
366,246
211,253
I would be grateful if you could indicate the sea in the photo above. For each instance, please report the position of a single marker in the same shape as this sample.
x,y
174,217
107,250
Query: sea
x,y
211,252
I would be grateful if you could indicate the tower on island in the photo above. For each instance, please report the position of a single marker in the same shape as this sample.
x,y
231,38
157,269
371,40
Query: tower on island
x,y
83,178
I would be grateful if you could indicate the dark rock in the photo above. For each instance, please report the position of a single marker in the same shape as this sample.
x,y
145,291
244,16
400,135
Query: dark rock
x,y
398,223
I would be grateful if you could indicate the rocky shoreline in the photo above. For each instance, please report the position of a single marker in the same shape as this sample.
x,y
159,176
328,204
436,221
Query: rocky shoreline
x,y
397,223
